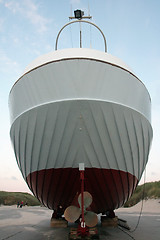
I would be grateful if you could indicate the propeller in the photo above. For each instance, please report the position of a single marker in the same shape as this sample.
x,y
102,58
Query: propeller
x,y
72,213
87,198
90,219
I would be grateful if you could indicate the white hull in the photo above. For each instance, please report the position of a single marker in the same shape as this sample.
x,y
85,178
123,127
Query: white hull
x,y
76,106
62,134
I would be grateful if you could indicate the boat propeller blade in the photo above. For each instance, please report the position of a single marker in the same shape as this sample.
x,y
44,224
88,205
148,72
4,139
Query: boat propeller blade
x,y
90,219
87,199
72,213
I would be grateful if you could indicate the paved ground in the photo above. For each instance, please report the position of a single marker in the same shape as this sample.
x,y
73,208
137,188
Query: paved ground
x,y
149,225
31,223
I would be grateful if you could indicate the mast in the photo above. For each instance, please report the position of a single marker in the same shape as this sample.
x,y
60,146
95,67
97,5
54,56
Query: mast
x,y
79,16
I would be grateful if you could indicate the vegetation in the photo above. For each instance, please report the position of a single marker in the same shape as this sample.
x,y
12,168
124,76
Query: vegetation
x,y
146,191
11,198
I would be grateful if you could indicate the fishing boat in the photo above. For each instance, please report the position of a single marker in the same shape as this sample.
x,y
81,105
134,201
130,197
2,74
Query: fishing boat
x,y
80,105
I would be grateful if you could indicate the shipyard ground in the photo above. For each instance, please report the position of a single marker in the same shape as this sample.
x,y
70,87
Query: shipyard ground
x,y
30,223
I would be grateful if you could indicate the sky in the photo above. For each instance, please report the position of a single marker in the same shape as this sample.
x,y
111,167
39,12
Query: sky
x,y
28,29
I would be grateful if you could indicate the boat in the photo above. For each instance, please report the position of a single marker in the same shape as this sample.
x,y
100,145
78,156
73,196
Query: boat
x,y
80,105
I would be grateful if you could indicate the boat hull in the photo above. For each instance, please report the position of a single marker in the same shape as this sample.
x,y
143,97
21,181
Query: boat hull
x,y
109,188
112,140
80,106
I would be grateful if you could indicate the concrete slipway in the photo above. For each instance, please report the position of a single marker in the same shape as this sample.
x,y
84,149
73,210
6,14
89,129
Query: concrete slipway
x,y
31,223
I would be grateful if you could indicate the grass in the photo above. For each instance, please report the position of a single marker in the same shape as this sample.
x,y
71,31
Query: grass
x,y
149,190
11,198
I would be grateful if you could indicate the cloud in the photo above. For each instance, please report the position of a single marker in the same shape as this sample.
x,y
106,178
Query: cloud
x,y
13,6
15,40
75,1
14,178
29,10
7,65
1,23
35,18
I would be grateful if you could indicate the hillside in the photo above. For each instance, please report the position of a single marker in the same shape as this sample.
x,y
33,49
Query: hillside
x,y
149,190
11,198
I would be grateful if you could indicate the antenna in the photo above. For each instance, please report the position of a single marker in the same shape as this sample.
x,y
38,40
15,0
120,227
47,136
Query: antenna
x,y
71,29
90,26
88,9
71,9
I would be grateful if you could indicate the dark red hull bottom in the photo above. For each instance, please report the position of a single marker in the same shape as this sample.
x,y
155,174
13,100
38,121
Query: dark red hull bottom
x,y
109,188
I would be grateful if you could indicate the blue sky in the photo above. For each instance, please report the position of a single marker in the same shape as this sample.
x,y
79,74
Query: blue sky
x,y
28,29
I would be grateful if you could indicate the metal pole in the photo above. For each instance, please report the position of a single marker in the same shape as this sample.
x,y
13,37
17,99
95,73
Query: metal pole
x,y
81,169
82,197
80,36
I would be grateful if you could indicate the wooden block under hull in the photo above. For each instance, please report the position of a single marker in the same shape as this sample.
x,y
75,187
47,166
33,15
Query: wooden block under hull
x,y
93,234
109,222
59,223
